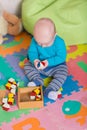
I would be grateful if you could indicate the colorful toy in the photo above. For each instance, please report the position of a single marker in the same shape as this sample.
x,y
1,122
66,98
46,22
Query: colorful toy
x,y
32,95
22,63
37,91
59,92
35,94
40,65
11,84
6,106
11,80
59,95
9,24
9,100
43,63
4,100
13,91
34,99
8,85
10,95
38,97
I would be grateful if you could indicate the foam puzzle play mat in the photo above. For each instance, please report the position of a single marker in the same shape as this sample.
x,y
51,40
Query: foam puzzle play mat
x,y
27,109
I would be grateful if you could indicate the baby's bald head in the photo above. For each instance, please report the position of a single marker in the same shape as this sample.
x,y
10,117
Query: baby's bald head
x,y
44,30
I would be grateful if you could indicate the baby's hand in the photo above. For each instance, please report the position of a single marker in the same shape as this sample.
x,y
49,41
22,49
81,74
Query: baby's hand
x,y
42,65
36,62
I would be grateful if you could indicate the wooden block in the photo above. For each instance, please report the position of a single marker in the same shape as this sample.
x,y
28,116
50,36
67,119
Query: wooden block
x,y
4,100
13,86
11,80
24,98
8,85
10,95
6,106
10,101
13,91
32,95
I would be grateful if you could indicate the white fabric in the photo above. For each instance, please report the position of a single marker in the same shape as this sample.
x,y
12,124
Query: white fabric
x,y
12,6
3,26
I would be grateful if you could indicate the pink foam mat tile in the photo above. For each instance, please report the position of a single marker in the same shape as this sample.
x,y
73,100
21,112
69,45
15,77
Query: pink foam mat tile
x,y
51,117
77,71
72,49
42,117
56,108
76,50
71,123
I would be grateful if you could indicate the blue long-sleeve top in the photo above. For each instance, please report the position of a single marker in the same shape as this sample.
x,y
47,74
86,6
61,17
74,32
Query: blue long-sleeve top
x,y
54,54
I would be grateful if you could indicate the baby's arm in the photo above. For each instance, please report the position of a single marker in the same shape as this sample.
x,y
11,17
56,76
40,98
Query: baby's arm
x,y
60,55
32,51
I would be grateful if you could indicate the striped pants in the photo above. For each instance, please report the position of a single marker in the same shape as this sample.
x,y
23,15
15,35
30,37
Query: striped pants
x,y
59,74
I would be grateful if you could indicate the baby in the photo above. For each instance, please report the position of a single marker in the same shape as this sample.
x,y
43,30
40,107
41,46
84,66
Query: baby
x,y
47,56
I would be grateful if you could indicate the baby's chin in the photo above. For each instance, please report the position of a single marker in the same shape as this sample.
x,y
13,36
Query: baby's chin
x,y
45,44
44,39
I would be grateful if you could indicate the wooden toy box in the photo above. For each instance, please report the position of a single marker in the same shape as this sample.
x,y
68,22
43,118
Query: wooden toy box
x,y
25,102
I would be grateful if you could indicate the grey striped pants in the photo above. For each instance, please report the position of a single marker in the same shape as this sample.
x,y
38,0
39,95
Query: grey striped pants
x,y
59,74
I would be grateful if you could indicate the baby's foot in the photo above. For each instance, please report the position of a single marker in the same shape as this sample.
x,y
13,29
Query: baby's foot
x,y
50,93
34,83
31,84
53,95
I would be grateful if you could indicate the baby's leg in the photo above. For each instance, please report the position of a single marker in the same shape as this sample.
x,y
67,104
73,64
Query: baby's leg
x,y
33,75
59,74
